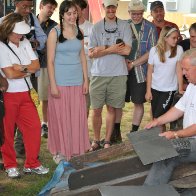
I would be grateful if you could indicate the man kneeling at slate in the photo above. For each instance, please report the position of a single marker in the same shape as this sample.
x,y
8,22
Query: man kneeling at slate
x,y
161,171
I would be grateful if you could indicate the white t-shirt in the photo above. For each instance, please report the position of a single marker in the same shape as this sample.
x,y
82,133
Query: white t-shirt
x,y
164,76
187,104
8,58
87,28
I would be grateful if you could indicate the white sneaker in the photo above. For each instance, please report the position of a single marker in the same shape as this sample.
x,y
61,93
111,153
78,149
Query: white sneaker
x,y
38,170
13,172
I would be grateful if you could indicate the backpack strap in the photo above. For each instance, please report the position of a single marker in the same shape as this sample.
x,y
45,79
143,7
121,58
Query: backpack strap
x,y
32,25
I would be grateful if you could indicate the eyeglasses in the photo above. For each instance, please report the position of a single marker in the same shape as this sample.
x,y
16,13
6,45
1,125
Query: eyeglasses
x,y
24,7
136,14
111,31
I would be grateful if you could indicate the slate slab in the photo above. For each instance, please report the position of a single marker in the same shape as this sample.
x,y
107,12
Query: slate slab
x,y
150,147
160,190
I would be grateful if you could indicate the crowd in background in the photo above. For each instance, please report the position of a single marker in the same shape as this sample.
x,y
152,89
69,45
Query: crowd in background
x,y
75,66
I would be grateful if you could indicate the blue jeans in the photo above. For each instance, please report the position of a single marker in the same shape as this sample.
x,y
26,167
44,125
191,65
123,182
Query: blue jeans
x,y
160,172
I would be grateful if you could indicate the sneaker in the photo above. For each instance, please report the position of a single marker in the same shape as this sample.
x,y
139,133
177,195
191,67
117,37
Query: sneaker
x,y
44,131
38,170
13,172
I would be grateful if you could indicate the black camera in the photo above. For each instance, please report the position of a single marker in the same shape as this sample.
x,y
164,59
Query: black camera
x,y
118,41
33,44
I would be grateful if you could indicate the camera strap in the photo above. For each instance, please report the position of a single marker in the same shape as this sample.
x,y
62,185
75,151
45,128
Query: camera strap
x,y
135,31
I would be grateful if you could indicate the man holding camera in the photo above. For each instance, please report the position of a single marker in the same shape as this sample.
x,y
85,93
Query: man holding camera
x,y
109,41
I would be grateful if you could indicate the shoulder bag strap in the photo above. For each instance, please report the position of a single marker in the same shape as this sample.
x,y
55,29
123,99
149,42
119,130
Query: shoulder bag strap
x,y
20,63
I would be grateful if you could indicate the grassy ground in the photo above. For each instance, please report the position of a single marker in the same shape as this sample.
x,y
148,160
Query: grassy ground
x,y
30,185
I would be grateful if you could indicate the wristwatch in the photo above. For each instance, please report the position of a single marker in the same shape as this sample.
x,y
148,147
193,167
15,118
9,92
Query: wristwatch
x,y
24,70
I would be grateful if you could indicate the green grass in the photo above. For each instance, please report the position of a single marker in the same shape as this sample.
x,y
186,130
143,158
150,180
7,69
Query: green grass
x,y
30,185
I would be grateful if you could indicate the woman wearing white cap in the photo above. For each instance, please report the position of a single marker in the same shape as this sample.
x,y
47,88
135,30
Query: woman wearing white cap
x,y
17,62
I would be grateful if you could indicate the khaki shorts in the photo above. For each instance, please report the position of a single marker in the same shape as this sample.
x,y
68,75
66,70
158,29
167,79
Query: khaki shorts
x,y
43,82
108,90
88,101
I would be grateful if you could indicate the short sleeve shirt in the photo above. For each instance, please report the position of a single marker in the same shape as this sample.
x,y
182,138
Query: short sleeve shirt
x,y
8,58
87,28
187,104
164,76
111,64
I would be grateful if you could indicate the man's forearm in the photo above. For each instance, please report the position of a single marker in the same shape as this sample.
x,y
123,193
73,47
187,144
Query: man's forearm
x,y
141,60
100,51
187,132
171,115
97,52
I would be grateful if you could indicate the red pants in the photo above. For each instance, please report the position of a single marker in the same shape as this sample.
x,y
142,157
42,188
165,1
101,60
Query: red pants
x,y
20,110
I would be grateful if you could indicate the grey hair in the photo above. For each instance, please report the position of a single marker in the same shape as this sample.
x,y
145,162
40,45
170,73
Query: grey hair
x,y
191,54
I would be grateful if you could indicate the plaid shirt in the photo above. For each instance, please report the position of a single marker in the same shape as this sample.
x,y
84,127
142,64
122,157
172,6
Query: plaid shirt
x,y
148,37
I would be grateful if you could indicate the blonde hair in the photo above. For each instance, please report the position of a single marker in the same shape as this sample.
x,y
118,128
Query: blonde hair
x,y
161,44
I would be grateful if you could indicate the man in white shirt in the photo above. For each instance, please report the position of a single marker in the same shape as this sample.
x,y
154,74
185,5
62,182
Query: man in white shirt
x,y
161,171
86,27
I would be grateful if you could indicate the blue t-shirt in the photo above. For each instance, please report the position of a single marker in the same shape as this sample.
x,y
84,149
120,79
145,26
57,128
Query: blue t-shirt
x,y
68,67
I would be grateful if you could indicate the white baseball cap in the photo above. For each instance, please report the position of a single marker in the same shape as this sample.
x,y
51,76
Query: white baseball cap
x,y
21,28
110,2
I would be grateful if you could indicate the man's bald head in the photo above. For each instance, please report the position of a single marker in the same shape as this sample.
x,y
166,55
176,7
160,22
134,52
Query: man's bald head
x,y
191,54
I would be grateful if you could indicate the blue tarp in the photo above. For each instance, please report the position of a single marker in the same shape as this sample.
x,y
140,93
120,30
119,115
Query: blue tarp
x,y
60,177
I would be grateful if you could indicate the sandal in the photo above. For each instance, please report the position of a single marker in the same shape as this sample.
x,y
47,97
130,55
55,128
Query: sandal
x,y
95,146
108,143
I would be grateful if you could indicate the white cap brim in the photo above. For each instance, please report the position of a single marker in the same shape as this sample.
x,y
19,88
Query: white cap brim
x,y
110,2
21,28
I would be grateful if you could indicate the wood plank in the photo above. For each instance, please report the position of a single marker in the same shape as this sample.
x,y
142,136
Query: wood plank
x,y
184,170
106,172
112,152
136,179
185,182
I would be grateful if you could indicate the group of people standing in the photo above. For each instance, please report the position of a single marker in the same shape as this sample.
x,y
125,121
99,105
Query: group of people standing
x,y
25,58
80,65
